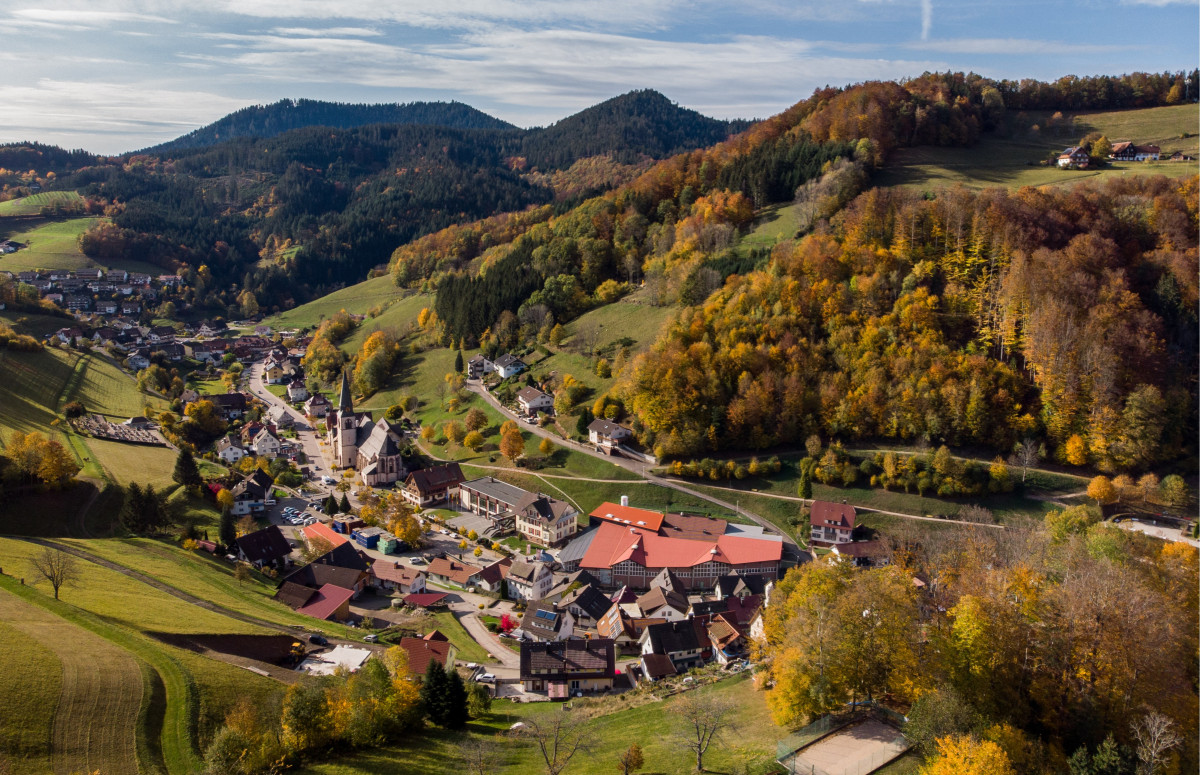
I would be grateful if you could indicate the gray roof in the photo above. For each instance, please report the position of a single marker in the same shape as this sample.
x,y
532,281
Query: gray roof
x,y
574,551
494,488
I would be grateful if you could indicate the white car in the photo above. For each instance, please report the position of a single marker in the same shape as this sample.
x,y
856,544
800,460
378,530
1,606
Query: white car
x,y
485,678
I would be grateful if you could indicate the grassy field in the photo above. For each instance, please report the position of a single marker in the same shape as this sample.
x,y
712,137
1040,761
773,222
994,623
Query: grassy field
x,y
104,389
465,646
400,314
33,204
33,323
1005,161
357,298
615,725
31,683
54,244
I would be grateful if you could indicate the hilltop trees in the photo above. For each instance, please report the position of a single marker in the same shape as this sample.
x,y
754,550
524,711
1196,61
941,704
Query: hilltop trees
x,y
38,459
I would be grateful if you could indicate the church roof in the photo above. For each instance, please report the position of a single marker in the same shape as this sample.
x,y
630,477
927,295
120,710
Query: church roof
x,y
345,403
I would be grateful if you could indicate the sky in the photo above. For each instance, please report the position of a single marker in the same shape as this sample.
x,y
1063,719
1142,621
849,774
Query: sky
x,y
112,76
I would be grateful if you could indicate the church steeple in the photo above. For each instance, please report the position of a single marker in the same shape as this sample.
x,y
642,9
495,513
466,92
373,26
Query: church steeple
x,y
345,404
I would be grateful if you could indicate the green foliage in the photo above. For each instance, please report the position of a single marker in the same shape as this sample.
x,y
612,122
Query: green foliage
x,y
186,471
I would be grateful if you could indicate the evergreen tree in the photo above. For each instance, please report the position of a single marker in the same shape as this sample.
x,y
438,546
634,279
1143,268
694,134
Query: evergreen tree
x,y
455,701
153,513
331,504
585,419
131,511
226,533
433,692
186,471
805,489
458,362
344,505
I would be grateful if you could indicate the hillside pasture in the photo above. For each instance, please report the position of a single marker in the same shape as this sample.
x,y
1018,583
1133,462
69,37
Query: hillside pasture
x,y
30,683
95,715
54,244
1013,161
103,388
36,324
33,204
399,316
30,384
356,299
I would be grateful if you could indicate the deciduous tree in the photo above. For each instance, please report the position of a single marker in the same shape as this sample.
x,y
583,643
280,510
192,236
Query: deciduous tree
x,y
58,568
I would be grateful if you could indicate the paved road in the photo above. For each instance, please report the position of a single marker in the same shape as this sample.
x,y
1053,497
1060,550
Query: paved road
x,y
633,466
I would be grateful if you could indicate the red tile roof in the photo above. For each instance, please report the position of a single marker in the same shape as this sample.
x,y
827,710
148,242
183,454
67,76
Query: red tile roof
x,y
422,651
628,515
458,572
614,544
395,572
321,530
836,515
424,599
326,602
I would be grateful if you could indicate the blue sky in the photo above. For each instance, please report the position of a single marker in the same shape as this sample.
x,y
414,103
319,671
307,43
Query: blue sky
x,y
115,75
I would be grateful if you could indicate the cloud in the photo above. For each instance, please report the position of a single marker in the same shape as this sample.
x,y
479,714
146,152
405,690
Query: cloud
x,y
926,18
328,32
76,18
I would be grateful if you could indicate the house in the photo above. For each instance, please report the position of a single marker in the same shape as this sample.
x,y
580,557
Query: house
x,y
1074,157
397,577
317,574
329,603
1181,156
273,373
727,639
436,484
832,523
607,435
266,444
264,547
545,521
139,360
422,651
664,604
161,335
210,328
509,365
281,417
491,578
319,531
587,605
569,667
683,642
251,494
479,365
77,302
1127,151
543,621
229,405
528,580
531,401
373,448
656,667
297,390
107,307
447,571
734,585
229,450
861,553
317,406
623,628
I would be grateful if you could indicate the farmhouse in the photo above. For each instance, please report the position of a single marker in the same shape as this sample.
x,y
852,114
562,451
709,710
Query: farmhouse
x,y
832,523
435,484
568,667
1074,157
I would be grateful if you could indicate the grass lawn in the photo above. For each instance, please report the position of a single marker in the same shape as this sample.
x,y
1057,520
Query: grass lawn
x,y
30,682
401,313
1005,161
465,646
33,204
103,388
357,298
36,324
615,726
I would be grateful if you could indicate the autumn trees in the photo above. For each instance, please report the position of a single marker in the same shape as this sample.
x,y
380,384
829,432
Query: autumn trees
x,y
1042,641
37,459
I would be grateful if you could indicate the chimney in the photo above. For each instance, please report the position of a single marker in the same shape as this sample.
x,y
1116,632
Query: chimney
x,y
624,500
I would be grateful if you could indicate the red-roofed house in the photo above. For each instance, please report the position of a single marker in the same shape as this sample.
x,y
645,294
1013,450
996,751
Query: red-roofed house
x,y
422,651
330,603
832,523
425,599
321,530
632,557
392,575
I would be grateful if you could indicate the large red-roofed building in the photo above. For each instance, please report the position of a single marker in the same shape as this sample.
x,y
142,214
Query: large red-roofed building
x,y
633,556
627,515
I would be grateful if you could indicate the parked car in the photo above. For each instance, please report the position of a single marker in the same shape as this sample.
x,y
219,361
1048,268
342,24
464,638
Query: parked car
x,y
485,678
318,639
372,638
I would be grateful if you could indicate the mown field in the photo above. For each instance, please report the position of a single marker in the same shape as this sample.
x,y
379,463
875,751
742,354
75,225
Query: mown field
x,y
358,298
33,204
1013,161
35,324
614,725
54,244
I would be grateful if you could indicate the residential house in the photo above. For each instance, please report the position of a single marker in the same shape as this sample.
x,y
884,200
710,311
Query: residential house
x,y
544,621
161,335
273,373
327,603
545,521
210,328
509,365
251,494
451,572
734,585
395,576
1074,157
624,627
78,302
607,435
832,523
317,405
660,603
478,366
297,390
656,667
107,307
266,444
587,605
433,485
861,553
564,668
281,417
264,547
531,401
342,566
528,580
230,406
727,639
229,450
683,642
432,648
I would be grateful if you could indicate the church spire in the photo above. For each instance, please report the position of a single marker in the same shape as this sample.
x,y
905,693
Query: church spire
x,y
345,404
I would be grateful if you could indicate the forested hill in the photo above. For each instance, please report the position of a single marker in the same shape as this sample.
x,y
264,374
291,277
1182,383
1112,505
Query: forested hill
x,y
285,115
637,124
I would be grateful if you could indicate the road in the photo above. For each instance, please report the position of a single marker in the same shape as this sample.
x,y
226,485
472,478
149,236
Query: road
x,y
633,466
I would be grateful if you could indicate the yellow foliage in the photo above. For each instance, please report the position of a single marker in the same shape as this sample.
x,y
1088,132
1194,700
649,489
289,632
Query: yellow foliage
x,y
964,755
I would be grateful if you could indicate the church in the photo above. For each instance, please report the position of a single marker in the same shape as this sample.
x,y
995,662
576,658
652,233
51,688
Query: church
x,y
373,448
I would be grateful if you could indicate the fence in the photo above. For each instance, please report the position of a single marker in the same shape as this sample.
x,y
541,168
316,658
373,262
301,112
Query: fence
x,y
789,751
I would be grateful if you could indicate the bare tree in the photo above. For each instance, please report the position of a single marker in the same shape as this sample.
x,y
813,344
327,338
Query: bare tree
x,y
704,720
558,738
1026,456
587,335
55,566
480,755
1155,735
978,514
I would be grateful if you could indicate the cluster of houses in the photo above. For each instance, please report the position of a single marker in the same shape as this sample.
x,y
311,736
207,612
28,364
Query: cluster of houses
x,y
1076,157
105,292
505,366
